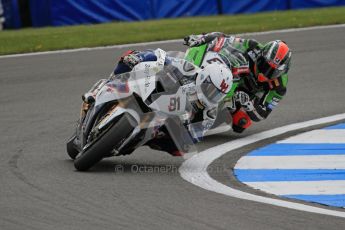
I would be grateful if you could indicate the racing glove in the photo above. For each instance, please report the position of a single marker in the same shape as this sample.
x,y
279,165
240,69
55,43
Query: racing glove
x,y
194,40
130,60
244,99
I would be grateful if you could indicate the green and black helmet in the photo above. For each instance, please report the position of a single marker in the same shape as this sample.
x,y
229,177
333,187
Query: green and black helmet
x,y
274,61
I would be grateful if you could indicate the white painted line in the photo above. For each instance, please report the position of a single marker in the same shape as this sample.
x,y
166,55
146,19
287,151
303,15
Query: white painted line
x,y
166,42
292,162
323,136
91,49
332,187
295,30
194,169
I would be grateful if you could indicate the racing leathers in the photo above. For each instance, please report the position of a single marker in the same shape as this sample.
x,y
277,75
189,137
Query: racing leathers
x,y
257,97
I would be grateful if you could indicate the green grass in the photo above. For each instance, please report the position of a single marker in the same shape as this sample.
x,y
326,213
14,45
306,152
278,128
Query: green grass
x,y
55,38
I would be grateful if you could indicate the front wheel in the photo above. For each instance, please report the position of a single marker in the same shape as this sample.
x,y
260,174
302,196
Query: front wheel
x,y
71,148
103,145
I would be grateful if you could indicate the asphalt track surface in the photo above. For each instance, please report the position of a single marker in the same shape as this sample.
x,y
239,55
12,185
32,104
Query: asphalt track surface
x,y
39,188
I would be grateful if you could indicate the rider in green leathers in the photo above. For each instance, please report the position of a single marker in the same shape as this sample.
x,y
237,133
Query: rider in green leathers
x,y
264,78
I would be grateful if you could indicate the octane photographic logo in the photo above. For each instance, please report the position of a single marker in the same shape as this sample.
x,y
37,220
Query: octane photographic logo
x,y
164,169
159,169
150,169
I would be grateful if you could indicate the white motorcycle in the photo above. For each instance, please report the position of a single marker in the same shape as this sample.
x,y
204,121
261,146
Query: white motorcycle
x,y
154,102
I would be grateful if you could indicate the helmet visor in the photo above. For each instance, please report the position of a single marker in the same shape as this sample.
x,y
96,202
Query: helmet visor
x,y
269,70
211,92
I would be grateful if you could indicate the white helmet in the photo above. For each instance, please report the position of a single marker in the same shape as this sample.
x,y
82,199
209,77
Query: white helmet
x,y
213,83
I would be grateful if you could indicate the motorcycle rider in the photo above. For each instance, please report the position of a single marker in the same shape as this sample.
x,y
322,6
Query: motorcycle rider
x,y
212,84
265,80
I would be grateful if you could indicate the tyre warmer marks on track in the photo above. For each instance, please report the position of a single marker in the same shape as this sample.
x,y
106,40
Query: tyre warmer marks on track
x,y
308,167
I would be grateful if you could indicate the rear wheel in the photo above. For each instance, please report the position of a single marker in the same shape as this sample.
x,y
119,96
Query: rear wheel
x,y
104,144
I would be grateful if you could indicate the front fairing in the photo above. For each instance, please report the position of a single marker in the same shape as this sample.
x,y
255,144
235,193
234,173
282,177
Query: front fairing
x,y
143,81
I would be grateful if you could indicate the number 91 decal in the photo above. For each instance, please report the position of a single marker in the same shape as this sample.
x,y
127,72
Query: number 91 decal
x,y
174,104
